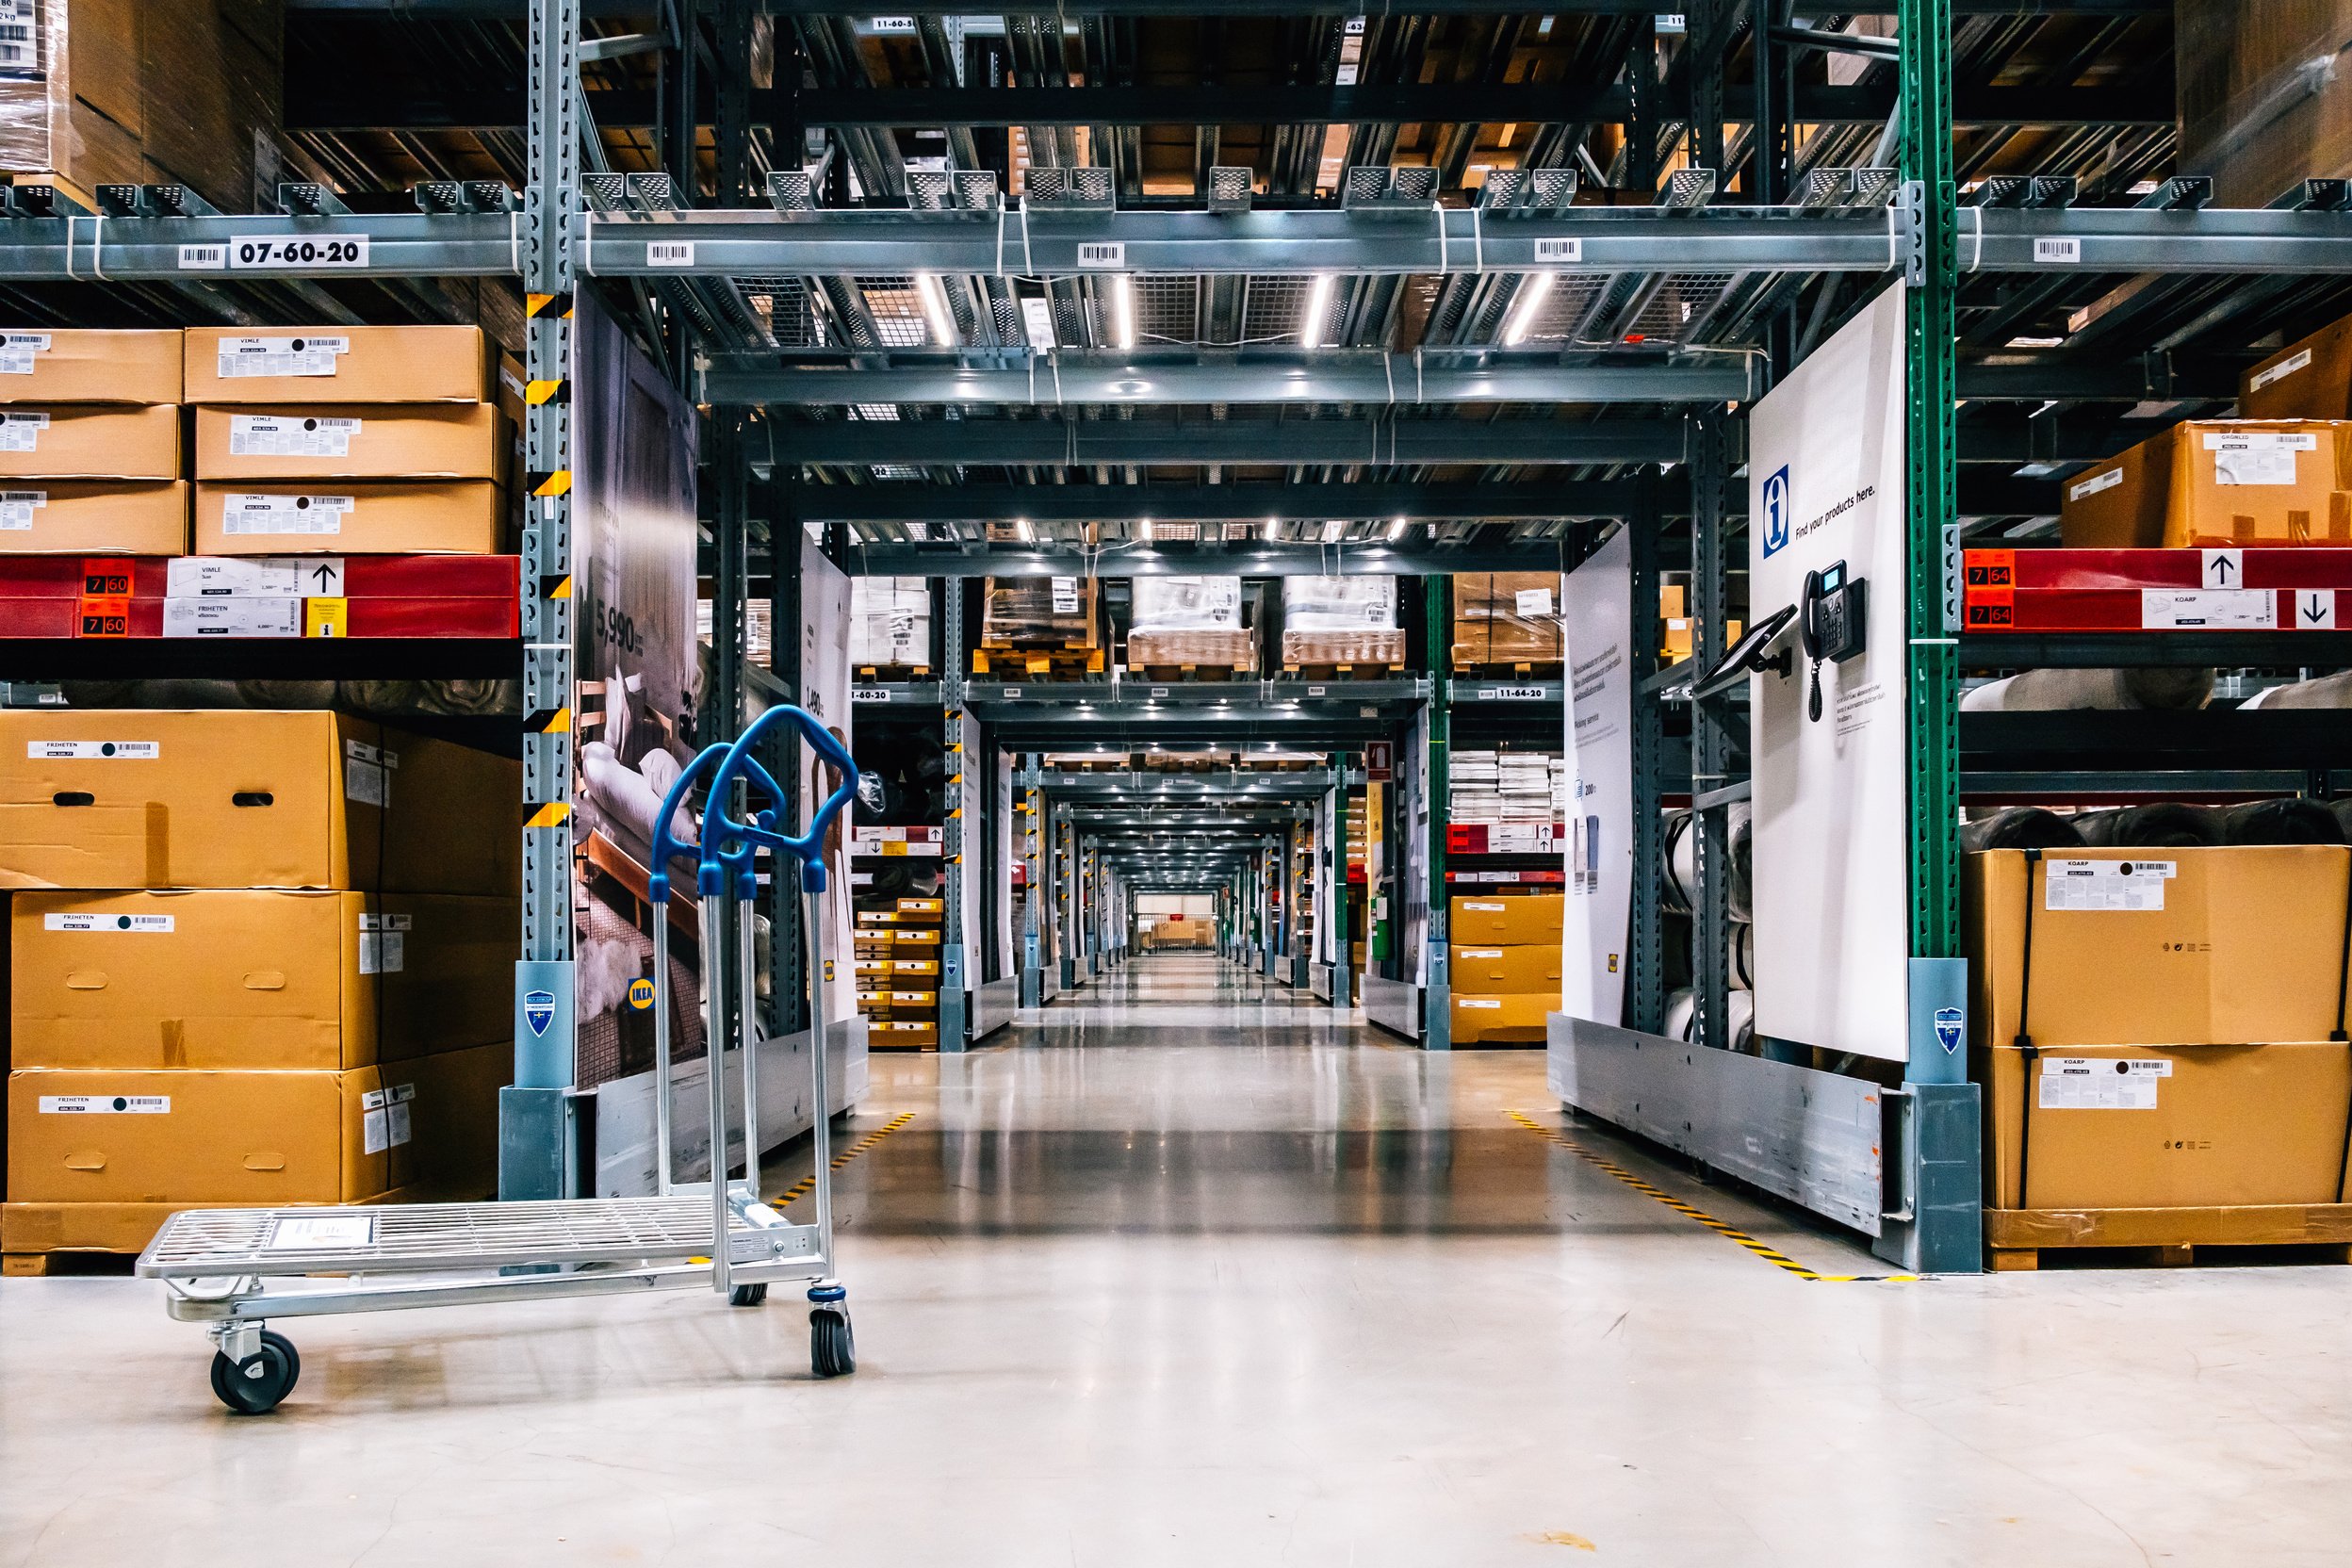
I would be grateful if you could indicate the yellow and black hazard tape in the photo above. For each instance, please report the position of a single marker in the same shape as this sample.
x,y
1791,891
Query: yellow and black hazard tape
x,y
1732,1232
547,721
553,814
552,306
808,1184
550,481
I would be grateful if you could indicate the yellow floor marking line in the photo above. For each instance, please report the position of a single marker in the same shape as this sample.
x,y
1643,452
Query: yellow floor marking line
x,y
807,1184
1777,1259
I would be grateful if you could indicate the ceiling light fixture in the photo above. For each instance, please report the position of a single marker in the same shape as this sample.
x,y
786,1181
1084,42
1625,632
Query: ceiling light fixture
x,y
1397,529
1318,306
1531,296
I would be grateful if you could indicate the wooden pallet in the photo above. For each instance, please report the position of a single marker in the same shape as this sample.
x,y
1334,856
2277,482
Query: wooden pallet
x,y
2277,1232
1171,674
1344,672
1042,664
893,675
1525,669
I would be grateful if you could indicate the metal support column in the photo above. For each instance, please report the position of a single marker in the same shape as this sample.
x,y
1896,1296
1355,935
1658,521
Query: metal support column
x,y
1645,981
537,1143
1437,1013
788,988
954,956
1341,982
1711,723
1034,892
1940,1225
1066,892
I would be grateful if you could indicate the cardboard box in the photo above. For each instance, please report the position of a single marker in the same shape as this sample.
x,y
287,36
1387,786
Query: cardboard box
x,y
887,1032
2253,114
1507,618
89,441
350,441
103,798
254,979
1530,921
348,517
2187,947
77,366
2309,379
337,365
922,905
94,516
1501,1020
194,1136
2129,1127
2217,482
1490,971
1231,649
913,937
913,966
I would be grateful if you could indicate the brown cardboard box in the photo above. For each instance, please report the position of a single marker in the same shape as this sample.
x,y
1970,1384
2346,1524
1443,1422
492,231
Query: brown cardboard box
x,y
1036,612
1490,970
1507,618
350,441
1503,1019
903,1032
348,517
2232,945
906,936
922,905
2217,482
2131,1127
337,365
2252,115
193,1135
913,966
78,366
89,441
1531,919
95,517
2310,378
255,979
107,798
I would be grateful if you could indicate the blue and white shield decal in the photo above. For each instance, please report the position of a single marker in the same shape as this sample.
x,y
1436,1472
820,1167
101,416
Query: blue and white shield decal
x,y
539,1010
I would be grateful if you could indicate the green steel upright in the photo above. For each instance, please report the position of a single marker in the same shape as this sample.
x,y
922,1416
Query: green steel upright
x,y
1437,1011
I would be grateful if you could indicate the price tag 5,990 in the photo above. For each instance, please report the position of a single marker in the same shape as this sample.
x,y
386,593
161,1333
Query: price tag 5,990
x,y
296,253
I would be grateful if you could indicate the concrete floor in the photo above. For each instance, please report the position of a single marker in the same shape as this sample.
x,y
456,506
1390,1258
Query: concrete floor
x,y
1192,1270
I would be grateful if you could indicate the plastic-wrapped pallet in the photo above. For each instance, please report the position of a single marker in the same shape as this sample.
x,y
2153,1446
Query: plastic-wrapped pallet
x,y
1189,620
1341,620
889,622
1507,618
1038,611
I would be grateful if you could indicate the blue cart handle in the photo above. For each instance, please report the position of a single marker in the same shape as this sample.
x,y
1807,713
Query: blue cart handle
x,y
809,847
709,852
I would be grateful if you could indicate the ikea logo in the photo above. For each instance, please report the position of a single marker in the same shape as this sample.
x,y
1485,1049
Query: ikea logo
x,y
1776,509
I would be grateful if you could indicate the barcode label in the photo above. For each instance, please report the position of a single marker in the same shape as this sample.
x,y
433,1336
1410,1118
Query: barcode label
x,y
106,922
1103,252
310,514
203,258
20,433
106,1104
20,350
670,253
289,435
17,506
232,617
281,356
85,751
2063,252
1560,250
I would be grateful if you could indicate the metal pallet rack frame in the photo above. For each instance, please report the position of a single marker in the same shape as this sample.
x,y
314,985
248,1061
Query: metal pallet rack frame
x,y
1792,227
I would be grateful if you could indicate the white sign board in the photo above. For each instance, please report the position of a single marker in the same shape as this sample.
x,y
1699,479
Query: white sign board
x,y
1596,617
1832,805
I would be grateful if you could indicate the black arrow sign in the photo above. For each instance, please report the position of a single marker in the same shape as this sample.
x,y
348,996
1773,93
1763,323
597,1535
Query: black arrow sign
x,y
2315,611
325,574
2222,567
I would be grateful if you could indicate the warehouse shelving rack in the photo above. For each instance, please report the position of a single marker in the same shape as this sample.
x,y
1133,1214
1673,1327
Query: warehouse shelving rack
x,y
1362,412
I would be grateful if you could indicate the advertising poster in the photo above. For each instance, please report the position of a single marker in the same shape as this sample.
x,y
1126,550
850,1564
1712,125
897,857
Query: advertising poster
x,y
640,679
1596,619
1832,817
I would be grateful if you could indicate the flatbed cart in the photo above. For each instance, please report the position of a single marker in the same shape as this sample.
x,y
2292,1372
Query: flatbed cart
x,y
236,1269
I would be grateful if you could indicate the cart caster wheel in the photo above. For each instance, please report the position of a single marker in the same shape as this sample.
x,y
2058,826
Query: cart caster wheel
x,y
254,1386
748,1296
832,1350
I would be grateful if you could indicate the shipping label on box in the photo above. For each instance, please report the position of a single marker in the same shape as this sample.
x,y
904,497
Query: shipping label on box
x,y
2134,885
233,617
2100,1082
311,354
246,513
290,435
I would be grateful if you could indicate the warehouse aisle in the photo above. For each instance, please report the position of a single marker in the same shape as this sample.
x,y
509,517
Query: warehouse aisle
x,y
1194,1269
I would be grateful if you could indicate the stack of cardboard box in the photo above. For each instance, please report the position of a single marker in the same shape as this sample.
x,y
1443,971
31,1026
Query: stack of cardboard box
x,y
1503,964
1510,619
898,973
256,959
89,444
2281,474
2159,1028
350,441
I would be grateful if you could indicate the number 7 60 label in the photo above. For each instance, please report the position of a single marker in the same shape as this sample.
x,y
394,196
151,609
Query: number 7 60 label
x,y
275,252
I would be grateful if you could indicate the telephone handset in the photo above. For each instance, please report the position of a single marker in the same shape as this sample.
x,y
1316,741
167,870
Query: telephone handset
x,y
1829,625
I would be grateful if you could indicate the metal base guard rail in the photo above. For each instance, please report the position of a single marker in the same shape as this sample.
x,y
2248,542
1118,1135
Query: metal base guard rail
x,y
234,1269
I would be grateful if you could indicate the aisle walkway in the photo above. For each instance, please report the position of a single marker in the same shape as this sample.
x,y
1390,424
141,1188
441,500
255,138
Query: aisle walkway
x,y
1189,1269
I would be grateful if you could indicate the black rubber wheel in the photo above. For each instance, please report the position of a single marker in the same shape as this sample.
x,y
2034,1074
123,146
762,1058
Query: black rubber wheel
x,y
832,1351
748,1296
256,1386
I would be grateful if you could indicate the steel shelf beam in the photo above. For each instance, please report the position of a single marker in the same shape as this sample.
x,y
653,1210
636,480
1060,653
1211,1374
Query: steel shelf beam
x,y
512,11
905,503
254,249
1015,443
2138,240
1296,378
1142,560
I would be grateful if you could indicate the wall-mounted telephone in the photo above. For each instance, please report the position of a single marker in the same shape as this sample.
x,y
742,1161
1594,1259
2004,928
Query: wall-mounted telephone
x,y
1829,624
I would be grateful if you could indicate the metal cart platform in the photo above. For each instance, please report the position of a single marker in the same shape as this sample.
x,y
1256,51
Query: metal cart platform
x,y
234,1269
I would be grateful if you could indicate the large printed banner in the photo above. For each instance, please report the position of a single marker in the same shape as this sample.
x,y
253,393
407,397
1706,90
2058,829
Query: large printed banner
x,y
1597,619
640,683
1832,792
